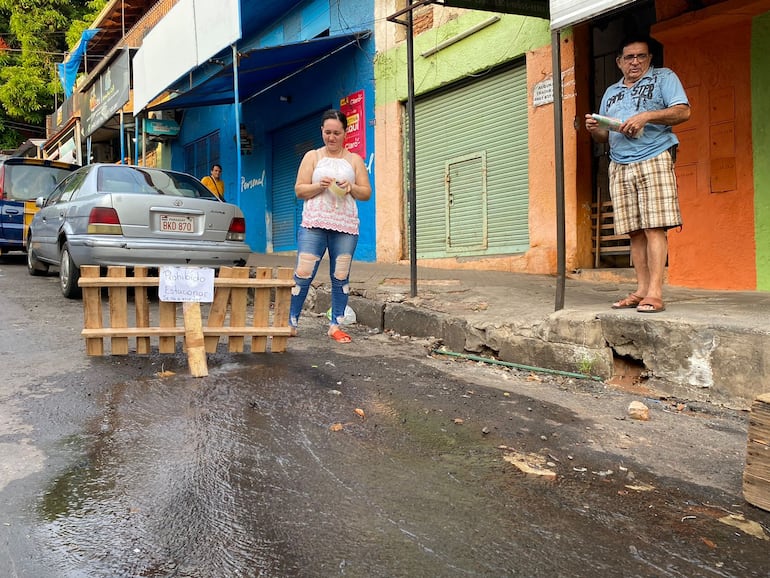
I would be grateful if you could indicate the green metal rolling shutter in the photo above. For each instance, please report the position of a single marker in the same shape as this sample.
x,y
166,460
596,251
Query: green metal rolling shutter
x,y
289,146
472,168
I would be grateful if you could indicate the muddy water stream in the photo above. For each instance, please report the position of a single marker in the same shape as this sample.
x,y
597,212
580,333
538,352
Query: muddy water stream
x,y
243,474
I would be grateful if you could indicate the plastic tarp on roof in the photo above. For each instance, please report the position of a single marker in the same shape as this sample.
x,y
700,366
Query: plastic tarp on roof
x,y
260,69
68,70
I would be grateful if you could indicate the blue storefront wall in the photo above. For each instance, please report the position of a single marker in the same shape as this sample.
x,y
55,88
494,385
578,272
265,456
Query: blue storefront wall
x,y
310,92
199,124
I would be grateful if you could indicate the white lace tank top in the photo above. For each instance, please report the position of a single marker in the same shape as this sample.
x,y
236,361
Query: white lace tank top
x,y
326,210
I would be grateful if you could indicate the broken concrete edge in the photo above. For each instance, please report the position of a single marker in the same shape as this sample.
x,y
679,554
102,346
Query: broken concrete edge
x,y
700,366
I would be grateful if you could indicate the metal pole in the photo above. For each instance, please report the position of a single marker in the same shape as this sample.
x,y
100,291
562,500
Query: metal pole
x,y
558,123
237,115
139,119
122,139
78,144
412,193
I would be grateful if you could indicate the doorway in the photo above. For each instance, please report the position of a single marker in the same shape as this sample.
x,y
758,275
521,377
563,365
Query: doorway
x,y
611,250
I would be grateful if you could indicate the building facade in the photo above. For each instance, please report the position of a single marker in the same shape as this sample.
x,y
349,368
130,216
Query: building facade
x,y
482,78
486,169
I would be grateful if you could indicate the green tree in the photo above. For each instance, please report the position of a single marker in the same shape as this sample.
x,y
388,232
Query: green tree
x,y
36,33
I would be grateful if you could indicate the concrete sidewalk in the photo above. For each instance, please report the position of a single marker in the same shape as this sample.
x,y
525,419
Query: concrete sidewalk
x,y
709,346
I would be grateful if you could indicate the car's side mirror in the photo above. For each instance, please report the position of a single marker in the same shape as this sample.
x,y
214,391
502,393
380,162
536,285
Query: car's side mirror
x,y
40,202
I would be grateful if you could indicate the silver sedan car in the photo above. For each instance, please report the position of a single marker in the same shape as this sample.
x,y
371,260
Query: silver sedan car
x,y
105,214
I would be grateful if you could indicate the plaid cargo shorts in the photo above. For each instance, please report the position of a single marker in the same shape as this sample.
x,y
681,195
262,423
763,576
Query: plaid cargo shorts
x,y
644,194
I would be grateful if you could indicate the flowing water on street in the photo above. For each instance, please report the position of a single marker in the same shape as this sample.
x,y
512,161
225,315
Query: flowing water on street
x,y
266,468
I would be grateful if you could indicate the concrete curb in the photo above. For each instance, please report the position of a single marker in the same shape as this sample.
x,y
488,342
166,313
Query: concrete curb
x,y
695,361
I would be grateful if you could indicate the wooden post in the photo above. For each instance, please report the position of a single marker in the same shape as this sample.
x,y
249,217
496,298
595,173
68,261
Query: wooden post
x,y
118,311
92,310
238,303
167,318
281,310
218,309
142,306
261,310
756,476
194,343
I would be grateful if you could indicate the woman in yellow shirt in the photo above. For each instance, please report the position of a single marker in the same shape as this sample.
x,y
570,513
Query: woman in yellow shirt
x,y
214,183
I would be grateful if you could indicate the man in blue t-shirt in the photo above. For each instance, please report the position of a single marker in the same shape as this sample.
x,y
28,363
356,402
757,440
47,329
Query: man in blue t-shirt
x,y
647,102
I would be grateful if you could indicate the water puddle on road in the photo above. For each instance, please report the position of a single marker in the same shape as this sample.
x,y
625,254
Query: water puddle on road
x,y
269,470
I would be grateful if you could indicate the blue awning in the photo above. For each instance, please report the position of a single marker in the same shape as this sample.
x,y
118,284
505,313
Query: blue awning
x,y
261,69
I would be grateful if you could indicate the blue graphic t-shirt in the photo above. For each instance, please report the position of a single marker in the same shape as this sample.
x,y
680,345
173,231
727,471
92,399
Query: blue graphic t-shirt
x,y
659,88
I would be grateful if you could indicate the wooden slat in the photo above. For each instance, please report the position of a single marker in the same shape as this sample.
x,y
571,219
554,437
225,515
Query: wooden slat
x,y
193,339
167,318
218,309
153,281
92,310
142,311
605,241
177,331
238,302
281,310
118,297
756,476
261,309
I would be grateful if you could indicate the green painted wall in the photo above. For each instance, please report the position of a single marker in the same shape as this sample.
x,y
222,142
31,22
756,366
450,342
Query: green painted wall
x,y
760,113
510,37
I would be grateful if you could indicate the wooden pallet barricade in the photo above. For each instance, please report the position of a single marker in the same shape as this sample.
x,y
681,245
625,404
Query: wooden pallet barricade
x,y
231,299
756,476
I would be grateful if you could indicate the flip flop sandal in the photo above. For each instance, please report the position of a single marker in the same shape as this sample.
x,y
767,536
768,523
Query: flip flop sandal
x,y
340,336
651,305
630,301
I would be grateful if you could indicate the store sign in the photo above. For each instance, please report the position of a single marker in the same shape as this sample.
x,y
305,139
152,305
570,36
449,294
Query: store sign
x,y
161,127
106,95
352,106
543,93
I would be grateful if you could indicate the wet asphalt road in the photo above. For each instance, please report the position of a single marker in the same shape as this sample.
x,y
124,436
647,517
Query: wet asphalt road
x,y
375,459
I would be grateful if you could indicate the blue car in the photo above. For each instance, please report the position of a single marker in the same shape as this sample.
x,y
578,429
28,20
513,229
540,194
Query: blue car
x,y
22,180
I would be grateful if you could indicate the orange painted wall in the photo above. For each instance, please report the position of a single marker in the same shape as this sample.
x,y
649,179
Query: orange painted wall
x,y
710,51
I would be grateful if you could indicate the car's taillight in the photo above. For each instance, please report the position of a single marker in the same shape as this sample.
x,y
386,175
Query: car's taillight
x,y
2,182
237,230
104,221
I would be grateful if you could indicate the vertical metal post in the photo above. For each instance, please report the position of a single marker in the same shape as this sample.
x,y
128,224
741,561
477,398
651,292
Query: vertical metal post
x,y
122,139
558,128
237,115
412,193
78,145
139,119
144,145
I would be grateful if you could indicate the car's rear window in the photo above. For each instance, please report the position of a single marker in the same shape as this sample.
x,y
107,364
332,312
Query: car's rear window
x,y
123,179
26,182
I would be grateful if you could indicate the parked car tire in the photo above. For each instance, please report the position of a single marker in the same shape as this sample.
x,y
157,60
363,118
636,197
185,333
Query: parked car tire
x,y
34,266
69,274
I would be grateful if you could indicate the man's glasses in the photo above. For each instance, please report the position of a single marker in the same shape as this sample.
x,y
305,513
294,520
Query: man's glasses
x,y
632,57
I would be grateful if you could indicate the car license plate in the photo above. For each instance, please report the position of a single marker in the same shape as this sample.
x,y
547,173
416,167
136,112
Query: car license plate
x,y
177,224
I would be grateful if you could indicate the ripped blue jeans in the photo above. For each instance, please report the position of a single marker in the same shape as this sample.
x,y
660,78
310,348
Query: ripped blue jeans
x,y
312,244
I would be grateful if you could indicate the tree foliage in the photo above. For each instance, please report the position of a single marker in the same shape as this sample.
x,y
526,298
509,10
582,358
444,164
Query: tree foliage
x,y
36,34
